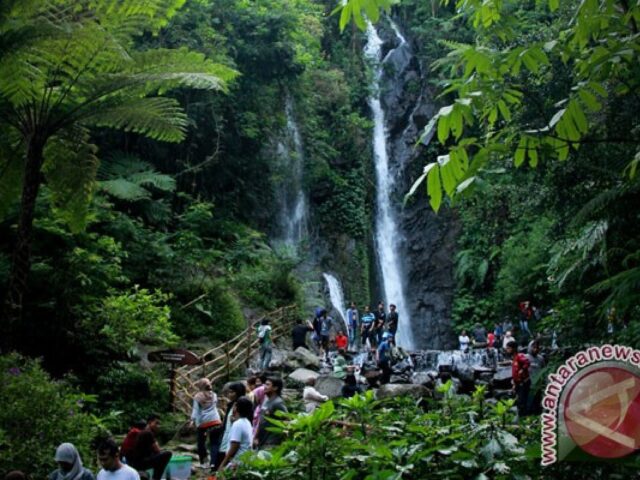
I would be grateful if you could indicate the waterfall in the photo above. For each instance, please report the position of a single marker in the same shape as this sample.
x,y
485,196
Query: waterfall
x,y
336,296
293,201
387,234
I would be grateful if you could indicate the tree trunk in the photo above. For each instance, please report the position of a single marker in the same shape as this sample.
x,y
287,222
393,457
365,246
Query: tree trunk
x,y
21,261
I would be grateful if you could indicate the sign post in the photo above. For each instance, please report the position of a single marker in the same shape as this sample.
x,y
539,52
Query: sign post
x,y
177,358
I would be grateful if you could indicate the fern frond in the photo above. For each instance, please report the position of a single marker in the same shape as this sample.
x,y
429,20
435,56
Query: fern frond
x,y
124,189
126,176
156,117
70,171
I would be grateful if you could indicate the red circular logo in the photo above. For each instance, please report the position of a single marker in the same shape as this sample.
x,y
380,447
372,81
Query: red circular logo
x,y
602,412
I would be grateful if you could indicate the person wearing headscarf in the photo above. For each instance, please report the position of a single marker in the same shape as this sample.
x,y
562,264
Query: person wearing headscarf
x,y
206,418
69,465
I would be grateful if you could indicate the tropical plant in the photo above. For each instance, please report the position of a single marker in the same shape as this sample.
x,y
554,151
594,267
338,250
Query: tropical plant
x,y
65,69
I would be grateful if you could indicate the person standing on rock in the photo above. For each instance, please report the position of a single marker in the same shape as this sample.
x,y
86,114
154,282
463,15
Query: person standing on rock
x,y
384,357
273,403
299,333
520,377
508,338
352,324
264,338
464,341
366,326
392,320
381,318
326,322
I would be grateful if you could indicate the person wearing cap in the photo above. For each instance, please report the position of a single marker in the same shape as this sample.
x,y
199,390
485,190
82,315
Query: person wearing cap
x,y
384,357
69,465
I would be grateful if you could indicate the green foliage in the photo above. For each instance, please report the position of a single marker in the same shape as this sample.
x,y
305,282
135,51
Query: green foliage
x,y
457,437
133,392
37,415
128,318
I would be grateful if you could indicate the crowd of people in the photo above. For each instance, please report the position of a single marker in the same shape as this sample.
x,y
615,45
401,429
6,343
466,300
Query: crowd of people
x,y
524,366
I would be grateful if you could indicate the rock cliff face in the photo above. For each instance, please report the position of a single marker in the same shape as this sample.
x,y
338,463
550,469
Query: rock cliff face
x,y
428,242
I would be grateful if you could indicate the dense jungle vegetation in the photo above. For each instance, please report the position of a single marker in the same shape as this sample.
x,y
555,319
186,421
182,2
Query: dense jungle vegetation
x,y
138,176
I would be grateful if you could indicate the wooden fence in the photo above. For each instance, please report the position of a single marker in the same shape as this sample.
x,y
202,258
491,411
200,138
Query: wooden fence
x,y
219,362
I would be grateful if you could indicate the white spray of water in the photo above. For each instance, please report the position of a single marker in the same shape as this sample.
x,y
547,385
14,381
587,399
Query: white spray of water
x,y
294,209
387,233
336,296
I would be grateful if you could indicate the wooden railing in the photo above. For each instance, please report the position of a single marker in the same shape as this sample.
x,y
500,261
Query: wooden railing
x,y
219,362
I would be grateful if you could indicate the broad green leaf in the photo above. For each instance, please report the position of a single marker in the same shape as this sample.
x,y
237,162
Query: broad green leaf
x,y
448,177
434,188
504,110
533,156
589,100
443,129
417,183
345,15
521,151
553,5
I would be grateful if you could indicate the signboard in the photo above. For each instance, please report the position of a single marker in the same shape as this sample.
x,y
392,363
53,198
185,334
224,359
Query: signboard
x,y
177,356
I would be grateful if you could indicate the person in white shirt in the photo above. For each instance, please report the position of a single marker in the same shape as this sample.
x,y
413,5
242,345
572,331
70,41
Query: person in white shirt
x,y
464,340
241,437
112,467
508,337
311,397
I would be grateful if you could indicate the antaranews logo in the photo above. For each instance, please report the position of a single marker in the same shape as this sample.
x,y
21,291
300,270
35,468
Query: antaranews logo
x,y
592,406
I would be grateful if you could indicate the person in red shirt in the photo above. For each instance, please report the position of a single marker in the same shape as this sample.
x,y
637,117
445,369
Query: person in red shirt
x,y
519,376
341,340
491,338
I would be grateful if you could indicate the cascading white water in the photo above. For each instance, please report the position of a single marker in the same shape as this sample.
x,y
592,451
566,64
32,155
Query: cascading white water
x,y
336,296
387,234
294,209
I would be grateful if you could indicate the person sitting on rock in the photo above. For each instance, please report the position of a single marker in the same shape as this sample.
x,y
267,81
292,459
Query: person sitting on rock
x,y
311,397
350,387
147,454
340,364
341,340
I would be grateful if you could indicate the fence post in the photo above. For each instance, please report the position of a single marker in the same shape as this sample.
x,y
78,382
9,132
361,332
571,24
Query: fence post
x,y
227,359
248,339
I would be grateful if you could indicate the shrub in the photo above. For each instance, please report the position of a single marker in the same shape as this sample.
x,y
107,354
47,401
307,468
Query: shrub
x,y
37,415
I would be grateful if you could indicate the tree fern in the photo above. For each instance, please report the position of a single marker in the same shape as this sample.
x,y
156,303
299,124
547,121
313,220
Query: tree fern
x,y
126,177
75,67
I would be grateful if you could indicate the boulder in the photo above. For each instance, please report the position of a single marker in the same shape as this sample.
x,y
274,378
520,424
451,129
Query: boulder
x,y
307,358
290,394
404,378
303,374
465,373
424,378
329,385
396,390
502,378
